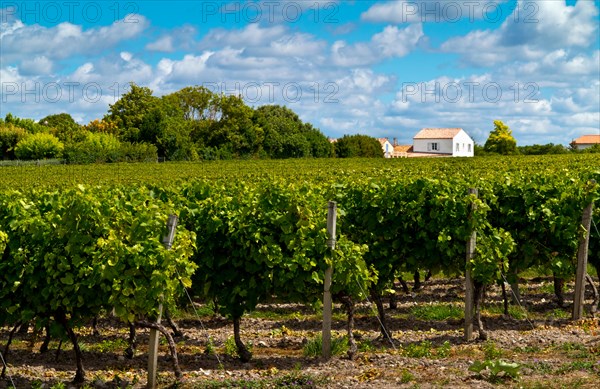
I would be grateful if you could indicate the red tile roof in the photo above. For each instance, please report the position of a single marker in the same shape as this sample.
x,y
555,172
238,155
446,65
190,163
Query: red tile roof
x,y
403,148
437,133
587,140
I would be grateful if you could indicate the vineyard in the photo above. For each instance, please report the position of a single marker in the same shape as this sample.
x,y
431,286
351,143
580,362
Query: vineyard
x,y
241,288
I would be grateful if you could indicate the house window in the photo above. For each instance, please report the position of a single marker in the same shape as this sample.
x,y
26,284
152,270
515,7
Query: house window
x,y
458,147
432,147
469,147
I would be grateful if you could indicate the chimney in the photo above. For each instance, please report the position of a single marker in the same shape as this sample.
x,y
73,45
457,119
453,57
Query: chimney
x,y
395,142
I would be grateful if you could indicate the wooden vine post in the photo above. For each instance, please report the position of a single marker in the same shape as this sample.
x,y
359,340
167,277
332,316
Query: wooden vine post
x,y
469,286
167,241
582,258
327,303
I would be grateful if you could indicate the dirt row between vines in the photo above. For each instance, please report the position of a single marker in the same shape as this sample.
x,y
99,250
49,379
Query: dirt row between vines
x,y
550,350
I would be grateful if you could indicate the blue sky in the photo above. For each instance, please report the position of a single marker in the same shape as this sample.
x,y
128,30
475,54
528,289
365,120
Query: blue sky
x,y
383,68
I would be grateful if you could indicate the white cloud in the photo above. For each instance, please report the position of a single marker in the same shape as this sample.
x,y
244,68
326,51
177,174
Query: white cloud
x,y
189,69
9,28
234,59
180,38
292,45
529,36
84,72
538,130
10,75
583,119
40,65
249,36
551,24
435,11
343,29
391,42
65,39
126,56
164,44
364,81
341,126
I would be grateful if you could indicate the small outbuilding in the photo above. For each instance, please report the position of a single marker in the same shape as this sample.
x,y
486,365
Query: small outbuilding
x,y
386,146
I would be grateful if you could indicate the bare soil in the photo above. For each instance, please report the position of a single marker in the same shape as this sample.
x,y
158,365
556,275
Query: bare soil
x,y
551,350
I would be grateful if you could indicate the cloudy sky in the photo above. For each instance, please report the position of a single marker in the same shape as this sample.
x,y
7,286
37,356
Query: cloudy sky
x,y
381,68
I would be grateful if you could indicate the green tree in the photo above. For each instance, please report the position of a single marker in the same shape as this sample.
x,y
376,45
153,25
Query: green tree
x,y
235,129
320,147
170,126
198,107
129,111
63,126
350,146
286,136
549,148
282,132
196,103
28,124
174,142
501,140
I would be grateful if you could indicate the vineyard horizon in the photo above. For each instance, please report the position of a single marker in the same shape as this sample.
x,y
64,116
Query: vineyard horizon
x,y
26,175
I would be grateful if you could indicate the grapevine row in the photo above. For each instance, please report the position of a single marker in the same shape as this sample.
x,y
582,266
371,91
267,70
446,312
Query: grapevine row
x,y
69,255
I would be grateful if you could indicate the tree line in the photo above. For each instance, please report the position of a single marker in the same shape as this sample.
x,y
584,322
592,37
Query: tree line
x,y
501,142
195,124
188,125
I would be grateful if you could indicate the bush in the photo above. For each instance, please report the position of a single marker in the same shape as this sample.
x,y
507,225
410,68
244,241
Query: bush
x,y
95,148
39,146
138,152
592,150
101,148
352,146
10,135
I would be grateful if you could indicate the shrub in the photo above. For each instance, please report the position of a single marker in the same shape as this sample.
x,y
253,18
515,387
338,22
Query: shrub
x,y
100,148
10,135
352,146
138,152
95,148
39,146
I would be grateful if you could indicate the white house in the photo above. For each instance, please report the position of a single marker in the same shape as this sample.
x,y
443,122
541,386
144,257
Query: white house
x,y
387,147
585,141
444,141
